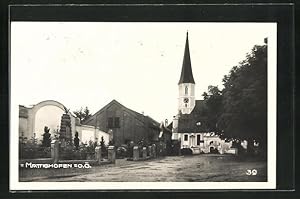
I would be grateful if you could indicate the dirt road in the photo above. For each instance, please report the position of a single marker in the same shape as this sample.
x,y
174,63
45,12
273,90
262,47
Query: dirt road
x,y
199,168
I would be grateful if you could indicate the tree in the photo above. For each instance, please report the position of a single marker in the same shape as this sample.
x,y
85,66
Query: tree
x,y
46,142
76,141
213,101
102,145
111,142
83,114
244,98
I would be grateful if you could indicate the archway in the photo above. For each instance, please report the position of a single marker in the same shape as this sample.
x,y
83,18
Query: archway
x,y
47,113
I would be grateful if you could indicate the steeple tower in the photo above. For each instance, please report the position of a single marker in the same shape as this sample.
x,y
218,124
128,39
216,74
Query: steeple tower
x,y
186,71
186,84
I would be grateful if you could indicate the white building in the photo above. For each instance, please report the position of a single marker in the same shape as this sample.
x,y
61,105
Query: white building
x,y
190,124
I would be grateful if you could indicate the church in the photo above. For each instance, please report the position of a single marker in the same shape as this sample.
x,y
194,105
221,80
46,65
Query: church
x,y
189,126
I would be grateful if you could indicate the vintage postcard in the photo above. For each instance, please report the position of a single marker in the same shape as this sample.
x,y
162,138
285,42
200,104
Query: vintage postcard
x,y
142,105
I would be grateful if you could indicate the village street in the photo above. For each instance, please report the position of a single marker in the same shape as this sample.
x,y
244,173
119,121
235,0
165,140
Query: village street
x,y
197,168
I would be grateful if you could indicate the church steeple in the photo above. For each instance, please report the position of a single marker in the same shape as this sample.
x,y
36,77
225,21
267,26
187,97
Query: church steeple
x,y
186,71
186,84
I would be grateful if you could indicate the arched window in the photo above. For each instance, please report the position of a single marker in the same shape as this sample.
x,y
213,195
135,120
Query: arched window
x,y
186,90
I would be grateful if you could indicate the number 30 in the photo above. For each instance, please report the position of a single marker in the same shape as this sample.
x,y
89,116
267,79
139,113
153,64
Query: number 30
x,y
252,172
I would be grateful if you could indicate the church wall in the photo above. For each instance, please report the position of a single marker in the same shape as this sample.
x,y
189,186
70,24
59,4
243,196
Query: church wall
x,y
191,89
190,95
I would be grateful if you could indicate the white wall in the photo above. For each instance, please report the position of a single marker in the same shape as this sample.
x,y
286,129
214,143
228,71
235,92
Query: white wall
x,y
190,95
47,116
87,133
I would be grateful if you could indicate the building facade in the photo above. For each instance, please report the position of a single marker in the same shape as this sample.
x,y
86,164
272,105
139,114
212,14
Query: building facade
x,y
124,124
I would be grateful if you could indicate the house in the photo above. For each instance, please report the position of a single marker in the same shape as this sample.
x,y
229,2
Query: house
x,y
189,126
124,124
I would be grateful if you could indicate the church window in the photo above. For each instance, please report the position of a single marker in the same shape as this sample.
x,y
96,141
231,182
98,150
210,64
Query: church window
x,y
186,138
186,90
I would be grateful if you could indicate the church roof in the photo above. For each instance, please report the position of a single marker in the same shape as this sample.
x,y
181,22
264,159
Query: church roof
x,y
186,71
187,123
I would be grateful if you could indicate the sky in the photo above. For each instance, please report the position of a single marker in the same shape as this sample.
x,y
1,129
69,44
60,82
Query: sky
x,y
138,64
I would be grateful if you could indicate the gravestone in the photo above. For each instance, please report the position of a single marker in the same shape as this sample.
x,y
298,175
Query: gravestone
x,y
111,154
144,152
98,154
55,150
136,153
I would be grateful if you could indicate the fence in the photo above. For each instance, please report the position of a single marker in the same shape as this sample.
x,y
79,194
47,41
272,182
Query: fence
x,y
58,154
34,152
147,152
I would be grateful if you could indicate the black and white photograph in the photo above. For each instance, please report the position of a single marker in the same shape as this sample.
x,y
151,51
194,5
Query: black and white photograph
x,y
143,105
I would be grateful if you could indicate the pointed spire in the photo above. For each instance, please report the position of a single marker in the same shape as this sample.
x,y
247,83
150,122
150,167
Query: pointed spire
x,y
186,71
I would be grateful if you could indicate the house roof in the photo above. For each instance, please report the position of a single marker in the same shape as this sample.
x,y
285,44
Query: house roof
x,y
189,123
145,119
186,71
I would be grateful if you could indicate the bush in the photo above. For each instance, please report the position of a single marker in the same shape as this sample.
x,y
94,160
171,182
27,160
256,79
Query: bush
x,y
26,152
186,151
31,150
214,151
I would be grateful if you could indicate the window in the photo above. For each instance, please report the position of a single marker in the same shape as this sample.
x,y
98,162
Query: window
x,y
110,122
186,90
117,122
186,138
198,139
113,122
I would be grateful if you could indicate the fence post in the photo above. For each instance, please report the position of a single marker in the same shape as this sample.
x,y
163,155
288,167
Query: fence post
x,y
54,150
179,151
111,154
144,152
150,151
98,154
136,153
154,150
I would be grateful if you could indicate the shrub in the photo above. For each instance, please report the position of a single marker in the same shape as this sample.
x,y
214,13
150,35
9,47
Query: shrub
x,y
76,141
186,151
